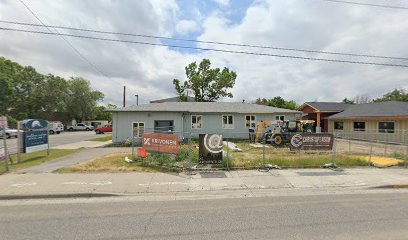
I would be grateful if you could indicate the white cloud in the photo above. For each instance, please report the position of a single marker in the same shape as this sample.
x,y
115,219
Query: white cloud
x,y
222,2
149,71
185,27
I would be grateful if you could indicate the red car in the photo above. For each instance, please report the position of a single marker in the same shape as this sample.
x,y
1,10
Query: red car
x,y
102,130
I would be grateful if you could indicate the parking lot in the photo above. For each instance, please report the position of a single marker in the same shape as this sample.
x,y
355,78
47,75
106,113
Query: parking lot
x,y
60,139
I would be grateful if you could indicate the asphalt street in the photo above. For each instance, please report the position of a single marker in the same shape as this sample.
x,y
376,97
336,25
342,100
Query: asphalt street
x,y
349,216
60,139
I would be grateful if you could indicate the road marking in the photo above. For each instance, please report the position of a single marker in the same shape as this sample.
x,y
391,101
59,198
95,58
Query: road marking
x,y
74,183
98,183
27,184
167,183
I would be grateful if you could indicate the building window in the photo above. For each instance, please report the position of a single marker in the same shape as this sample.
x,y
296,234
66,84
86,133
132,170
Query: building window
x,y
196,121
359,126
338,125
138,129
228,122
386,127
280,118
250,121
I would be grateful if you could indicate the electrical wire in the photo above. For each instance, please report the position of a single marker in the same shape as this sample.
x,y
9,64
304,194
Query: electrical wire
x,y
207,42
207,49
66,40
367,4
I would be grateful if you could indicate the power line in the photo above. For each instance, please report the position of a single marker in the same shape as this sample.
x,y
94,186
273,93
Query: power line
x,y
207,49
367,4
207,42
66,40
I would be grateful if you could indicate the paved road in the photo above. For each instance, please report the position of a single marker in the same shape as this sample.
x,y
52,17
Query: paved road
x,y
60,139
365,216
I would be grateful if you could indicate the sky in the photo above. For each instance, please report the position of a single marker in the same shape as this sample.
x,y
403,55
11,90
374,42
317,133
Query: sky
x,y
148,71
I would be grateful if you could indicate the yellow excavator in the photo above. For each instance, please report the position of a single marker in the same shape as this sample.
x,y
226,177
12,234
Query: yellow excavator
x,y
280,132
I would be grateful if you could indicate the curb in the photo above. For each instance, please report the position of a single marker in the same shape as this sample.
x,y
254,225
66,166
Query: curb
x,y
57,196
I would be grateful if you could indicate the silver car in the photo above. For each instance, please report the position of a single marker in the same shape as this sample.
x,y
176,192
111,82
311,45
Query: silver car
x,y
9,133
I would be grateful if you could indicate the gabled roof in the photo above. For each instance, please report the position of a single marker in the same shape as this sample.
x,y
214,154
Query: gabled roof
x,y
327,106
173,99
204,107
378,109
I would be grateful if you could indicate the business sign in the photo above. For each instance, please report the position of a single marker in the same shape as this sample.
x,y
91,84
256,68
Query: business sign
x,y
312,141
34,141
2,153
210,149
3,122
35,124
161,142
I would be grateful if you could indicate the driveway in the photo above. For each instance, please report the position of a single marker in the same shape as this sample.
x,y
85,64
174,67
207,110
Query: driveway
x,y
81,156
60,139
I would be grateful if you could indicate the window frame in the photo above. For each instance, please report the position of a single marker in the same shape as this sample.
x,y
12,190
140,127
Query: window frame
x,y
278,118
386,131
138,126
202,122
363,130
250,121
231,125
342,125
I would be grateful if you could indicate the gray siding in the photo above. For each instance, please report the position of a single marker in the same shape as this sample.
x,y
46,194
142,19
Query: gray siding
x,y
212,123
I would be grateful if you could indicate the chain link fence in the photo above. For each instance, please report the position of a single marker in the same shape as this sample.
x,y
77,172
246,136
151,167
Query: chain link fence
x,y
241,150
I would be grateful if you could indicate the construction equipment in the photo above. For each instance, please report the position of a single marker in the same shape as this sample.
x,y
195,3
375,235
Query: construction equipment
x,y
280,132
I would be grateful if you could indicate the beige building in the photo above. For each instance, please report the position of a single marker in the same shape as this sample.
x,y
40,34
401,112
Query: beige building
x,y
383,122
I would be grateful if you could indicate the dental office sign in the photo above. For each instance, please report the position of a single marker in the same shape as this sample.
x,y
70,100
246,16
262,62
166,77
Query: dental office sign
x,y
161,142
36,138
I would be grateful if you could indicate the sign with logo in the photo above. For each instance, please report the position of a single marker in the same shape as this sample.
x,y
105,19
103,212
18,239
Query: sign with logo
x,y
161,142
210,149
2,153
3,122
35,141
312,141
35,124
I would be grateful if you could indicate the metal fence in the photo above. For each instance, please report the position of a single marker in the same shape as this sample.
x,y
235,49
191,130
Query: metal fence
x,y
240,151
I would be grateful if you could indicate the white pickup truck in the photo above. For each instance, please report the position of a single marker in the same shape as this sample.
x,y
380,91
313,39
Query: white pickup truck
x,y
80,127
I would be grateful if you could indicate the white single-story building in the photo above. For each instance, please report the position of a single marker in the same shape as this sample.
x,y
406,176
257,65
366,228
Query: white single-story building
x,y
233,120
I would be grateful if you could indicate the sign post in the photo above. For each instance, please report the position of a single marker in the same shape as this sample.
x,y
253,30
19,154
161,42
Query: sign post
x,y
3,151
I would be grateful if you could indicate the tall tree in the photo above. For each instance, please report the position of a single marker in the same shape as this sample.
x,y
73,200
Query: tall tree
x,y
81,99
395,95
278,102
346,100
207,84
359,99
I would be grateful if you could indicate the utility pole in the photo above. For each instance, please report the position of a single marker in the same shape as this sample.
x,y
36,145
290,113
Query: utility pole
x,y
124,96
137,99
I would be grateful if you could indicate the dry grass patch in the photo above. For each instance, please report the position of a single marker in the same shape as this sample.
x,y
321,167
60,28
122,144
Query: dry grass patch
x,y
109,163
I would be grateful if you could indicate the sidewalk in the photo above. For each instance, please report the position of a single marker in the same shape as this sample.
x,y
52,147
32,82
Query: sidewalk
x,y
245,183
83,144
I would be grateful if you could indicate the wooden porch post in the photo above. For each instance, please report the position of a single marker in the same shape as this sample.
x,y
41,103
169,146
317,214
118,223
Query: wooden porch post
x,y
318,128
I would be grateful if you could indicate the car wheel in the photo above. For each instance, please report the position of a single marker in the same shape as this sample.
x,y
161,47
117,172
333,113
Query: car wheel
x,y
71,129
52,132
87,129
7,135
58,132
98,132
277,140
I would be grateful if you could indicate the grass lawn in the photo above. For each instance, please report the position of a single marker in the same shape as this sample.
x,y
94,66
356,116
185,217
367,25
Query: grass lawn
x,y
101,139
109,163
35,158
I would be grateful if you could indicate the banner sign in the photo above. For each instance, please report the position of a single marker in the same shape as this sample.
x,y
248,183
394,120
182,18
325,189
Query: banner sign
x,y
2,153
35,141
210,149
35,124
161,142
312,141
3,122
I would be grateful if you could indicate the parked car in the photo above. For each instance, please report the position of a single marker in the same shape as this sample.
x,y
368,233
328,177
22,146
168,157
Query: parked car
x,y
80,127
10,133
102,130
55,128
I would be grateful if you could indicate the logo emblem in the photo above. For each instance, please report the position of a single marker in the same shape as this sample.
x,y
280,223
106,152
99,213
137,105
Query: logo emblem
x,y
213,143
296,141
